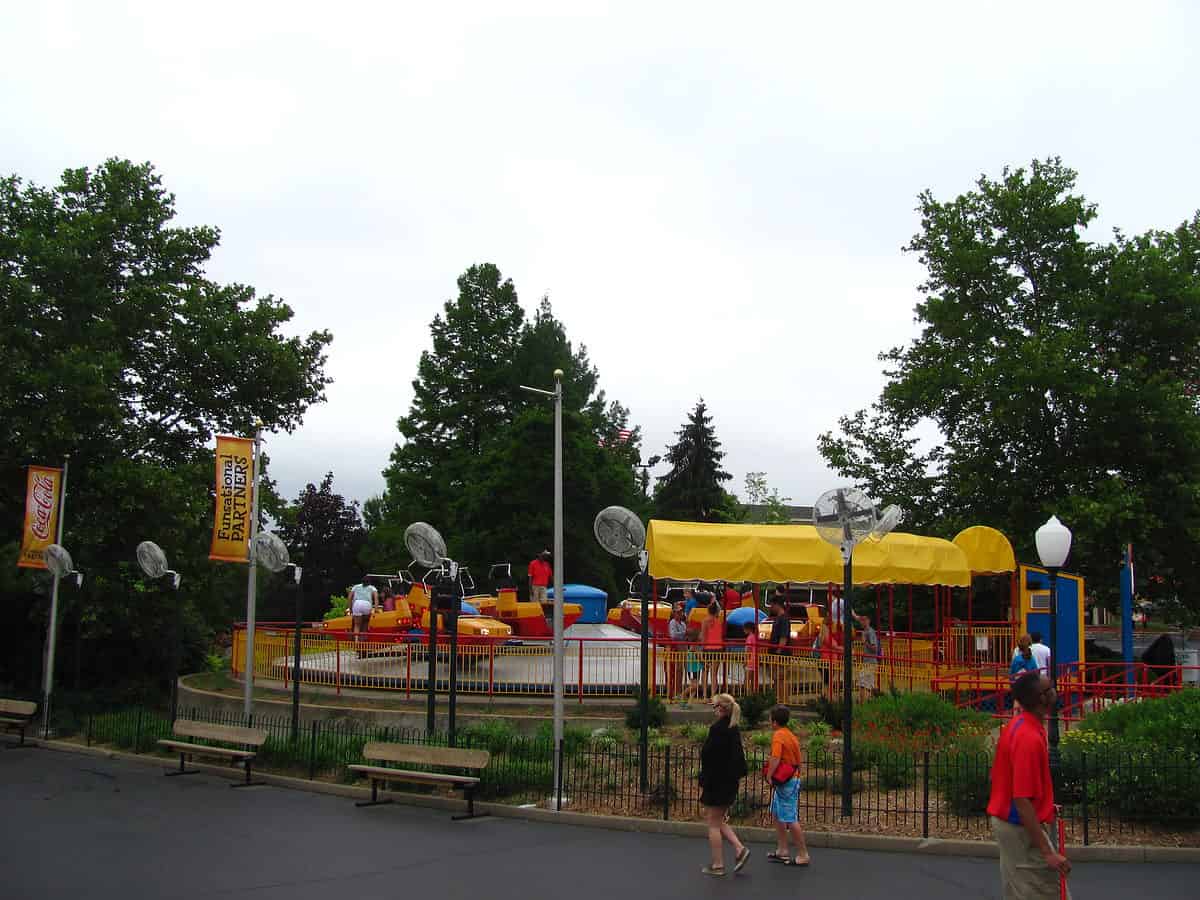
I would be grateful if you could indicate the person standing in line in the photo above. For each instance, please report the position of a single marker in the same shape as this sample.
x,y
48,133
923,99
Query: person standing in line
x,y
1041,653
779,641
732,597
722,768
1021,803
872,653
690,602
540,575
712,638
677,632
1023,660
783,775
362,602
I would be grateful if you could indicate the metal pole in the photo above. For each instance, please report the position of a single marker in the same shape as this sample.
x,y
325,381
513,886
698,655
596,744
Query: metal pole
x,y
175,655
847,683
1053,734
52,629
452,626
431,671
251,579
558,574
1127,616
296,666
644,697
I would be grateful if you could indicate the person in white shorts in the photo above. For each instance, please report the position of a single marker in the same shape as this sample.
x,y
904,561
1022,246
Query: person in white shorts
x,y
362,601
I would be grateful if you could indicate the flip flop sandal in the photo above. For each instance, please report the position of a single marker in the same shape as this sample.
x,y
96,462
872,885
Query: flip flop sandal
x,y
718,871
779,858
741,860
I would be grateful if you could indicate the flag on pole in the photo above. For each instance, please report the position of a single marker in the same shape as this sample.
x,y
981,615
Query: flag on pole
x,y
622,437
42,490
235,479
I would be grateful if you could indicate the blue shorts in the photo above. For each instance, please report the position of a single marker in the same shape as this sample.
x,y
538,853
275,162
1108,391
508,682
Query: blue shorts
x,y
785,801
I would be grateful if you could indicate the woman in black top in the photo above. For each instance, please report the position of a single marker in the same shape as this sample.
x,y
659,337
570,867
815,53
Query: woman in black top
x,y
722,767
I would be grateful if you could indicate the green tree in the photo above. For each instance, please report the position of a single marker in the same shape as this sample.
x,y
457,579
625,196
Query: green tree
x,y
1060,375
691,491
120,352
491,493
758,493
325,535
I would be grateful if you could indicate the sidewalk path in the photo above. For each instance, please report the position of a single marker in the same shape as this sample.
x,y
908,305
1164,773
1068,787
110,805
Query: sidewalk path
x,y
86,827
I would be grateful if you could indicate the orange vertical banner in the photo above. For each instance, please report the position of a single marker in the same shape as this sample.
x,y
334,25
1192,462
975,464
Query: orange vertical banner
x,y
234,482
43,489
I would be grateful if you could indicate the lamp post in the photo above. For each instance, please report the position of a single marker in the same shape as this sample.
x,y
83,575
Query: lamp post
x,y
1053,544
558,566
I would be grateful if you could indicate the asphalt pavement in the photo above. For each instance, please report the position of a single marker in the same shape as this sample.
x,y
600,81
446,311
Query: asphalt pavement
x,y
78,826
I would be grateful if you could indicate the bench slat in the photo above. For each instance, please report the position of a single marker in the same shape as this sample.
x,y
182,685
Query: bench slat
x,y
233,734
7,721
17,707
420,754
383,773
214,751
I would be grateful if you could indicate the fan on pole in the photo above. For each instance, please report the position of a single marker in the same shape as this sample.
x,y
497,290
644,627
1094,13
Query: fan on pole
x,y
272,554
61,566
846,517
619,531
153,561
428,548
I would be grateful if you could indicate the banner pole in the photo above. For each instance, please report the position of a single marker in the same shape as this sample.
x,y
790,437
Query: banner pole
x,y
52,628
251,579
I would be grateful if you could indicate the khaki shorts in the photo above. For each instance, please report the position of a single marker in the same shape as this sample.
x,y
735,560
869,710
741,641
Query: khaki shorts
x,y
537,593
1024,875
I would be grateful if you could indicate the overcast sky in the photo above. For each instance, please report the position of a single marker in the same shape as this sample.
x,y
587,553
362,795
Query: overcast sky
x,y
713,196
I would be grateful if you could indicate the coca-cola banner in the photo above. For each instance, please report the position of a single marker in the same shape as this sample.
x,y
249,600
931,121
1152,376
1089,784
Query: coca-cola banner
x,y
41,515
235,482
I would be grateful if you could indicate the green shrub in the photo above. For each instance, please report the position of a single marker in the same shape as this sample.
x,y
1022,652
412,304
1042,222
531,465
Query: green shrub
x,y
817,745
914,721
830,711
894,770
575,737
493,735
694,732
761,739
337,606
216,664
656,715
963,774
604,739
756,706
832,781
1170,723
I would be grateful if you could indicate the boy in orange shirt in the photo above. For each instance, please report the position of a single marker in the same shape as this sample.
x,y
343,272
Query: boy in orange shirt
x,y
782,772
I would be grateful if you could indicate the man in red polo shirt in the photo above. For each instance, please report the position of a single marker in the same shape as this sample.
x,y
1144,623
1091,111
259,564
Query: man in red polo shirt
x,y
1021,805
540,573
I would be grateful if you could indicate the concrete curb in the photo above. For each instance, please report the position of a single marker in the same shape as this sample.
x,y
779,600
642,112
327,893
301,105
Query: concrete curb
x,y
1114,853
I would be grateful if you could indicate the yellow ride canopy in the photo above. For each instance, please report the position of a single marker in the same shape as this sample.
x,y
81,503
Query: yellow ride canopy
x,y
687,550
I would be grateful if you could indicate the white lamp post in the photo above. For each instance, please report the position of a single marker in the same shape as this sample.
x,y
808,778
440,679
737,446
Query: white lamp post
x,y
1053,544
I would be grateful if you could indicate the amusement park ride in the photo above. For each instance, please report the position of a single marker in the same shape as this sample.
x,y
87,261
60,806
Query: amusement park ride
x,y
483,616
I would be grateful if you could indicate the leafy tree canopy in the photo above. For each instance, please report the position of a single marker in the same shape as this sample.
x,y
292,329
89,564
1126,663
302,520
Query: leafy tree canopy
x,y
324,534
1060,374
120,352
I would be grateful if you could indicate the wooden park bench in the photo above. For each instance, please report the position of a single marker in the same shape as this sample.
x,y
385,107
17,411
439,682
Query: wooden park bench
x,y
422,755
226,734
17,715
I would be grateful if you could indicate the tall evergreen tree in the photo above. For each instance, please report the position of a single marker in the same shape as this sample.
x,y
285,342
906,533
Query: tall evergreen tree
x,y
691,491
498,504
462,394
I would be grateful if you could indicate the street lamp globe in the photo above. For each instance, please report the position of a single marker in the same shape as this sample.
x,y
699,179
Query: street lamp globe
x,y
1053,543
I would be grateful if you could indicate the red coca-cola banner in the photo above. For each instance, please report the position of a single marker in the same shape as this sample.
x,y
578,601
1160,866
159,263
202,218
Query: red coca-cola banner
x,y
41,515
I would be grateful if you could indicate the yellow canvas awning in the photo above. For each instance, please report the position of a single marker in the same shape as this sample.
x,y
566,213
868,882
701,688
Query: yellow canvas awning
x,y
988,551
686,550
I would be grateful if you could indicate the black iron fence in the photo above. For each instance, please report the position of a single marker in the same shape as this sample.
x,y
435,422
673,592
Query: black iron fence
x,y
1108,796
